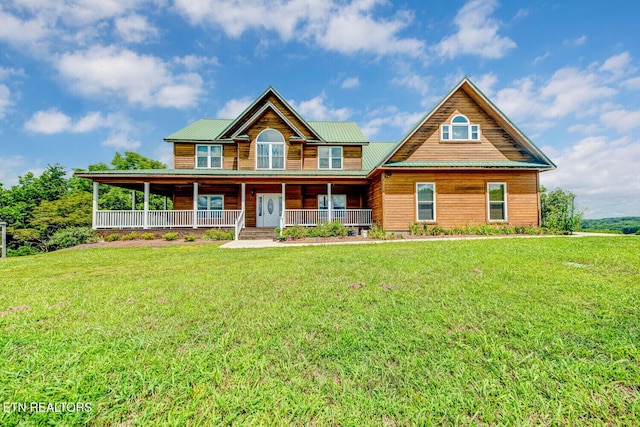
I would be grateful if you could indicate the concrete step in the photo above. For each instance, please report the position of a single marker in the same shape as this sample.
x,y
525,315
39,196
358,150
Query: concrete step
x,y
257,234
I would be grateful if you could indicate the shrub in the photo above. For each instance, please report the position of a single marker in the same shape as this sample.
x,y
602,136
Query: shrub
x,y
112,237
331,229
376,232
172,235
189,238
24,250
217,234
437,230
130,236
297,232
558,211
148,236
71,236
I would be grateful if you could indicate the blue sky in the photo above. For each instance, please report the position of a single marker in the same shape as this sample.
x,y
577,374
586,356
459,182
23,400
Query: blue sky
x,y
82,79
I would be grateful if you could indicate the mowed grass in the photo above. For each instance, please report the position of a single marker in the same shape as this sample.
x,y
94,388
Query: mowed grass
x,y
540,331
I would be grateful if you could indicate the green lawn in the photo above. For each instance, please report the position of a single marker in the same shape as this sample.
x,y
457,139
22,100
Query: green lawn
x,y
540,331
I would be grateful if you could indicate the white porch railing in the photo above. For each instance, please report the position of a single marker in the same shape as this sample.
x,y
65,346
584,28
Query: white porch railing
x,y
313,217
239,226
167,219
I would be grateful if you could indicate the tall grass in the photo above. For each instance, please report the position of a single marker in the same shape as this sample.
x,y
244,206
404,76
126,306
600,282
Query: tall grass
x,y
510,331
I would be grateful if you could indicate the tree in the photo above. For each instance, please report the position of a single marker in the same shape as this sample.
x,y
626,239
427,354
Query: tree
x,y
559,213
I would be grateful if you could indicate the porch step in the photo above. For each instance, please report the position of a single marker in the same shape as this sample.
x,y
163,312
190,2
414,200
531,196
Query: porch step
x,y
252,233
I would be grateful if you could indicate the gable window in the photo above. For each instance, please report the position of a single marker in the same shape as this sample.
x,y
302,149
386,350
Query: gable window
x,y
497,201
460,129
270,150
329,157
209,156
426,201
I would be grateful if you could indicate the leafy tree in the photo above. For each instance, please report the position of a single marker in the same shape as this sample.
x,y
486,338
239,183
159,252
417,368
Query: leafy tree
x,y
559,213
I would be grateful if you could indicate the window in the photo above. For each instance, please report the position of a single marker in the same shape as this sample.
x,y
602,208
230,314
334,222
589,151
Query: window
x,y
270,150
460,129
497,199
338,201
211,203
426,201
329,157
209,156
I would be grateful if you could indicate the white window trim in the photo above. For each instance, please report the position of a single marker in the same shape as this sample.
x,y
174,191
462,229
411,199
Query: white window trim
x,y
506,197
209,202
209,156
331,158
332,197
270,144
449,127
434,202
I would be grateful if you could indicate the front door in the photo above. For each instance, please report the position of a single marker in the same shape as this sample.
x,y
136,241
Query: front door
x,y
268,210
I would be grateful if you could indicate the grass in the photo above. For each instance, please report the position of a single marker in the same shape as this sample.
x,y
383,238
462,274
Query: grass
x,y
496,332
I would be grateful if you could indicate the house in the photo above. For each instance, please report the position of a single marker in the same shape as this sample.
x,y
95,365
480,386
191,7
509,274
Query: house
x,y
463,163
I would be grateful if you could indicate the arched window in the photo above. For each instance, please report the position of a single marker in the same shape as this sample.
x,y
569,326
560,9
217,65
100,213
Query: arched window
x,y
270,150
460,129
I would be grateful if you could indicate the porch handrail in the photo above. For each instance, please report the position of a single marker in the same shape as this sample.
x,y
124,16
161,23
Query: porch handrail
x,y
313,217
166,218
239,226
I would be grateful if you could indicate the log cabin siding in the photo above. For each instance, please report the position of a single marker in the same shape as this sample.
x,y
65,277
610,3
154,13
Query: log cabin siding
x,y
183,195
184,155
495,144
461,197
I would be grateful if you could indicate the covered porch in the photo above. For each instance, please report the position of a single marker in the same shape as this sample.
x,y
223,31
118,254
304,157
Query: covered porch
x,y
215,203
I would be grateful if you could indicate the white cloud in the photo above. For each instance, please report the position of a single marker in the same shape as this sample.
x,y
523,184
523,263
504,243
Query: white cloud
x,y
121,140
135,29
193,62
351,82
333,25
632,83
486,82
579,41
622,120
477,33
22,31
389,116
141,79
315,109
413,81
11,167
234,107
53,121
617,65
5,100
603,173
541,58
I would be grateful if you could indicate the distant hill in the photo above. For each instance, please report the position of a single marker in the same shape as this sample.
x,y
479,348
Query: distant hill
x,y
625,225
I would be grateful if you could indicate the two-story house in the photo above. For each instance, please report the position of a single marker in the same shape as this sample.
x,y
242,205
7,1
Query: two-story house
x,y
463,163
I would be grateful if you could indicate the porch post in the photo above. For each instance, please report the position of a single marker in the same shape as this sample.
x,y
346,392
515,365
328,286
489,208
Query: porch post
x,y
94,207
3,254
133,200
284,204
243,190
145,218
329,204
195,205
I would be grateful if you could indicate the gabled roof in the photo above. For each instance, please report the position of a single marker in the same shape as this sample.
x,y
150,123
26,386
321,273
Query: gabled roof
x,y
466,85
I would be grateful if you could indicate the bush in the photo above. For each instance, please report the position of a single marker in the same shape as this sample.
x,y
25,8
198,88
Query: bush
x,y
376,232
24,250
71,236
148,236
217,234
297,232
172,235
130,236
558,211
112,237
189,238
638,233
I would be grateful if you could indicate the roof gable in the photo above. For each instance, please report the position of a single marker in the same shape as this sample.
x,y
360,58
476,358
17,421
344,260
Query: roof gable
x,y
501,140
270,99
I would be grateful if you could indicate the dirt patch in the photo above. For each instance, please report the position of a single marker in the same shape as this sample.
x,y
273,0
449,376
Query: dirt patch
x,y
14,309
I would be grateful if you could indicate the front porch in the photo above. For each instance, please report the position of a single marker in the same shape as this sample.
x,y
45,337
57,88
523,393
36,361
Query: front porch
x,y
236,206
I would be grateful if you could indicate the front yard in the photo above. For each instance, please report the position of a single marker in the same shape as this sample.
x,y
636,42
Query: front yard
x,y
508,331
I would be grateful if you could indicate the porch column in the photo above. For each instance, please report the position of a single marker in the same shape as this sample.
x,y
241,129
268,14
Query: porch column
x,y
145,218
243,190
195,205
133,200
94,207
3,225
329,204
284,204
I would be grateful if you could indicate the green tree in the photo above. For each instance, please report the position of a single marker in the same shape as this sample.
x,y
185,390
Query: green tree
x,y
559,213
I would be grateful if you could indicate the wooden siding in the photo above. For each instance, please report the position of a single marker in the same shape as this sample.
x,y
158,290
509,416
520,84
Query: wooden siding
x,y
495,144
375,196
461,197
351,157
184,155
183,195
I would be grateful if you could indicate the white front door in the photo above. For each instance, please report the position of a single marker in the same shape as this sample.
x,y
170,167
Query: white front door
x,y
268,210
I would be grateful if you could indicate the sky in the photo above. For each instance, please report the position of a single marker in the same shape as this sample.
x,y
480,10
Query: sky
x,y
82,79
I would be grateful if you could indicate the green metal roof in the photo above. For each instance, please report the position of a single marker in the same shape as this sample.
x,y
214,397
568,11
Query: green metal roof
x,y
225,172
211,129
508,164
374,153
346,132
202,130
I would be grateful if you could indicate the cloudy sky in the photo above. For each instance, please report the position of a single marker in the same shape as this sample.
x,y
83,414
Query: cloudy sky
x,y
82,79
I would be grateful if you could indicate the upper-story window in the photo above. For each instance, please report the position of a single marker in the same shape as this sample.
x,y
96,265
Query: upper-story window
x,y
270,150
329,157
209,156
460,129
